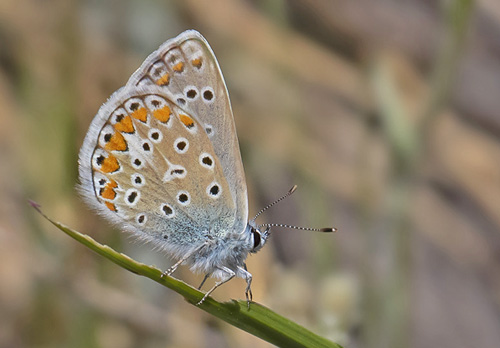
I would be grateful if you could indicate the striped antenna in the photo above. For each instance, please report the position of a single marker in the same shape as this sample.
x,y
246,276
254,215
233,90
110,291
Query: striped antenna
x,y
325,229
292,190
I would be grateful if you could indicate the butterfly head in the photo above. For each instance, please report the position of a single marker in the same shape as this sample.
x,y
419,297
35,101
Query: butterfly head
x,y
258,237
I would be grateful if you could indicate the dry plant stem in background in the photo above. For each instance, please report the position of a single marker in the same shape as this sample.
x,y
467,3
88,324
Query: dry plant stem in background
x,y
407,144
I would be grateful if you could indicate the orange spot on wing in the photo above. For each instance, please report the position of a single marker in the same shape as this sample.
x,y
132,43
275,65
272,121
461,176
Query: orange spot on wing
x,y
179,67
140,114
164,80
116,143
110,164
110,206
163,114
196,62
108,191
125,125
186,120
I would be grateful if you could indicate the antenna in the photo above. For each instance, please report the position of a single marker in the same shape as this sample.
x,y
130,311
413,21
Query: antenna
x,y
292,190
325,229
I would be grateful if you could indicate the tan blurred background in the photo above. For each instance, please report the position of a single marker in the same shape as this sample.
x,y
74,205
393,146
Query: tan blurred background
x,y
347,99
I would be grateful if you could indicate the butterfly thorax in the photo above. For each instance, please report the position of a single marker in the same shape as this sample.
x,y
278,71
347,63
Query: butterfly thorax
x,y
229,251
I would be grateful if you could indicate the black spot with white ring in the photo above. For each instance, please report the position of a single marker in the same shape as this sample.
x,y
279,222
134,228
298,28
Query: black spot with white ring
x,y
106,135
99,157
138,180
154,102
132,196
183,198
119,118
155,135
191,92
206,160
118,115
209,130
167,210
208,95
133,104
147,147
214,190
174,171
137,163
177,172
181,145
141,219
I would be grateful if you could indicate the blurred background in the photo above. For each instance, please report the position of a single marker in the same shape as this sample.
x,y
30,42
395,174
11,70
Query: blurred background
x,y
384,113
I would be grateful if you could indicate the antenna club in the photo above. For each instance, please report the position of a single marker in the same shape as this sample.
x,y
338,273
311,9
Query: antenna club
x,y
292,190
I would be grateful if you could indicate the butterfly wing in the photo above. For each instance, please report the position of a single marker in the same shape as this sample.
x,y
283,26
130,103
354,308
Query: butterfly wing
x,y
148,165
187,69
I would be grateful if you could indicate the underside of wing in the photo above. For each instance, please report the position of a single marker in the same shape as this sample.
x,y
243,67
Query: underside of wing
x,y
186,67
150,165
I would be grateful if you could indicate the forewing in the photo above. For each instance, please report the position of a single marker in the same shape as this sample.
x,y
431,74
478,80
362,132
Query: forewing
x,y
186,67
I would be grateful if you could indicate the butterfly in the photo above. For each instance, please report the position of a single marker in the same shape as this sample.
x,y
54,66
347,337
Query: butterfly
x,y
161,160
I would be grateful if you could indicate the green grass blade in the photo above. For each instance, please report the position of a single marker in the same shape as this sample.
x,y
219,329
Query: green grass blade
x,y
256,320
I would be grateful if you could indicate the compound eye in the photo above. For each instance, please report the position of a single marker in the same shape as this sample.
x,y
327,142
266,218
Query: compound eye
x,y
256,239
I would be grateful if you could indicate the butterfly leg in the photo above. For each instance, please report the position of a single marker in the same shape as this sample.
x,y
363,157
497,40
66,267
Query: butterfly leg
x,y
248,278
172,269
230,275
204,280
